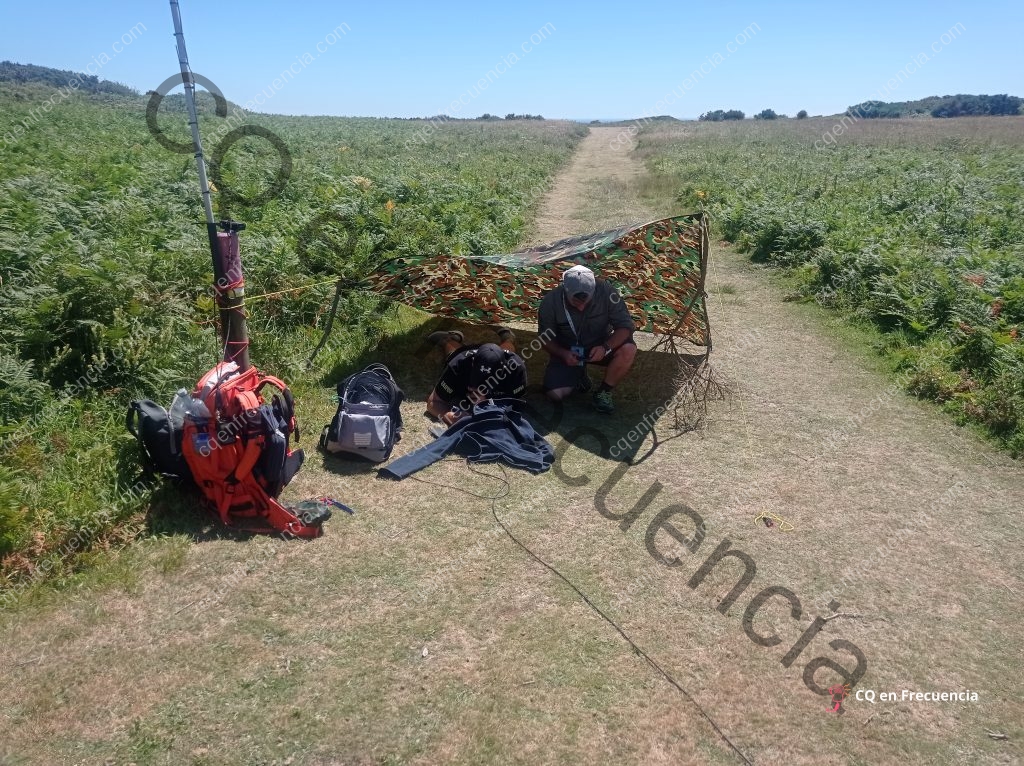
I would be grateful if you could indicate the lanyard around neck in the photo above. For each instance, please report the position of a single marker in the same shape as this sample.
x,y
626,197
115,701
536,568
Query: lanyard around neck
x,y
572,325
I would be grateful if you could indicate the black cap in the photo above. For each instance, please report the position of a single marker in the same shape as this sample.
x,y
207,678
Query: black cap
x,y
486,361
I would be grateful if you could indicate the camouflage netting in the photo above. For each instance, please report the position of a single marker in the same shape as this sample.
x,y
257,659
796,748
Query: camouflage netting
x,y
658,268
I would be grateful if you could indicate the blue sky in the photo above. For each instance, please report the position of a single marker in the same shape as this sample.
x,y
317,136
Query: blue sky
x,y
570,59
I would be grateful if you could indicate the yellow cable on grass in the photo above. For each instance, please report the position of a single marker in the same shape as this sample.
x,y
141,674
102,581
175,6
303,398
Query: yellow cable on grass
x,y
784,525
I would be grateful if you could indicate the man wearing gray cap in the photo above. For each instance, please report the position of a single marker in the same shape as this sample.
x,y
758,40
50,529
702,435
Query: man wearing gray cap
x,y
588,323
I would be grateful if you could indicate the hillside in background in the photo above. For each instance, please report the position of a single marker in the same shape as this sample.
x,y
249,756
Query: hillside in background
x,y
661,119
11,72
960,105
66,84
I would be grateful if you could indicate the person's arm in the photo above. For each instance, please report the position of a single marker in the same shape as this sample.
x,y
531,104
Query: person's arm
x,y
559,351
622,326
517,382
442,410
616,339
618,314
439,403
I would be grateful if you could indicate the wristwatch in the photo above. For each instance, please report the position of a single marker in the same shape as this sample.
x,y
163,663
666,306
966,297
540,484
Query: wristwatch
x,y
607,350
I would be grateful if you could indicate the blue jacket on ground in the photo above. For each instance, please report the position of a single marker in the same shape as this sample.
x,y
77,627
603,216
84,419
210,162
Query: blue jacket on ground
x,y
492,432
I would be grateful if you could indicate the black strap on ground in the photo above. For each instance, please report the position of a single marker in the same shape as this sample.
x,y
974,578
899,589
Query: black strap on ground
x,y
505,490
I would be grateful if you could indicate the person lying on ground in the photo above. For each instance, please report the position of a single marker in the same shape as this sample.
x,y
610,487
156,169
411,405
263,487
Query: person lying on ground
x,y
475,373
589,324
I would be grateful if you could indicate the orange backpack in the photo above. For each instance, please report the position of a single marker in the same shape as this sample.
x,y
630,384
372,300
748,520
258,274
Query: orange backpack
x,y
236,445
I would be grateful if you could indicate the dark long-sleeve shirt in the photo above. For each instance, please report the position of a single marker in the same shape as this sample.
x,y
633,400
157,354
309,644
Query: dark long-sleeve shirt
x,y
605,313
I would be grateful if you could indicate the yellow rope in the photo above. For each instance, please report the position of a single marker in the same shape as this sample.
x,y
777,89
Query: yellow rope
x,y
250,298
784,525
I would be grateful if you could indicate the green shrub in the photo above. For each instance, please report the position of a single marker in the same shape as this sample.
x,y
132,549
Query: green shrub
x,y
935,383
918,231
14,531
1000,409
1013,300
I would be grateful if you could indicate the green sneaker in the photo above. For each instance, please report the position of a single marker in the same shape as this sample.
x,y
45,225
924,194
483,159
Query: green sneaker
x,y
603,402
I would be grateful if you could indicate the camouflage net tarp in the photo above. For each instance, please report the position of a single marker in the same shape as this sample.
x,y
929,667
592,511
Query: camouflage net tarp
x,y
658,268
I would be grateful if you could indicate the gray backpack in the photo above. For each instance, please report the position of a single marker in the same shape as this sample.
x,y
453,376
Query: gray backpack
x,y
369,417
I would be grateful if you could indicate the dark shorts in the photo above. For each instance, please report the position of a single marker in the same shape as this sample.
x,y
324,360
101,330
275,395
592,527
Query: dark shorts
x,y
561,375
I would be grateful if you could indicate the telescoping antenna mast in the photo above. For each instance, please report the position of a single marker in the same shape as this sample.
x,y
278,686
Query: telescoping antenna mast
x,y
229,282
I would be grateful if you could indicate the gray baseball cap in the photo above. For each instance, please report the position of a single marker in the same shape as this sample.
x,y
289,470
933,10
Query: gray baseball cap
x,y
579,279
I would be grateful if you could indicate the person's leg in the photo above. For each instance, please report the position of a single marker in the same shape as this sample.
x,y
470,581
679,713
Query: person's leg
x,y
620,364
506,338
558,394
560,380
447,340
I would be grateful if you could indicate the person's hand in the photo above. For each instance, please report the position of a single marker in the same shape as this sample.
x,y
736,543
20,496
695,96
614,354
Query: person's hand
x,y
571,359
596,354
450,417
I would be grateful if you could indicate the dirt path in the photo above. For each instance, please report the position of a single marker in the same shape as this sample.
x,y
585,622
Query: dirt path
x,y
599,190
415,632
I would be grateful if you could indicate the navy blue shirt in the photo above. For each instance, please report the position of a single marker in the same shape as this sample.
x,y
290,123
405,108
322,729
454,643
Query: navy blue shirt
x,y
507,382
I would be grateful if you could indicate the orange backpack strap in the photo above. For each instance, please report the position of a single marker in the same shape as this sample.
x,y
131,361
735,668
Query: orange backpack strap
x,y
275,382
285,405
249,457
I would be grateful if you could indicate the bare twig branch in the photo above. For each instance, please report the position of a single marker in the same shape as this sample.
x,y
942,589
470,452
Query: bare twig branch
x,y
697,386
37,661
851,615
883,713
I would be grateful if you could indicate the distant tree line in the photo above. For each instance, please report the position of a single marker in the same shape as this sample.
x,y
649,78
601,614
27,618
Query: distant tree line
x,y
484,116
735,114
59,78
510,116
960,105
1000,104
718,115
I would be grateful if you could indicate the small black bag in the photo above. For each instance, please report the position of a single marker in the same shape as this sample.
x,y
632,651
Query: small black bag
x,y
160,442
369,417
276,465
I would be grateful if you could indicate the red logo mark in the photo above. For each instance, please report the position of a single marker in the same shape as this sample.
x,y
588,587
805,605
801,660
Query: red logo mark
x,y
838,692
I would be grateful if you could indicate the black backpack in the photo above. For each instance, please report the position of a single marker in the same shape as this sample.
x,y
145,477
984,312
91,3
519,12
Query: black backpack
x,y
160,442
369,418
